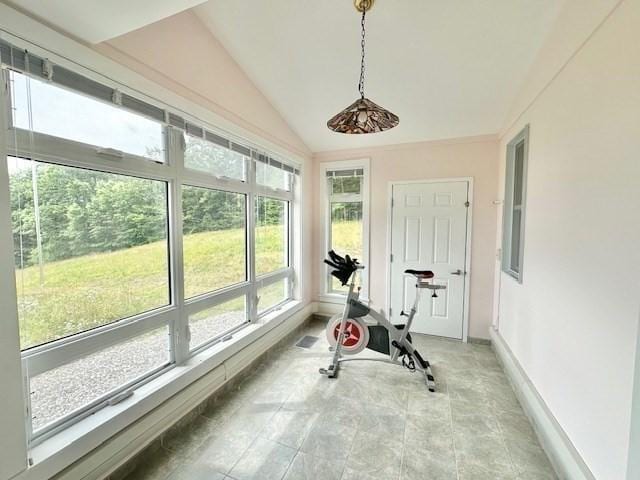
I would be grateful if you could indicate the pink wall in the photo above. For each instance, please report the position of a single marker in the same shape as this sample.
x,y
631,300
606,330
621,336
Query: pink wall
x,y
475,157
181,54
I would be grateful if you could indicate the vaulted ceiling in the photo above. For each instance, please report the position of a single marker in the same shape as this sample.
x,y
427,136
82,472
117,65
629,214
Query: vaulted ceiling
x,y
95,21
447,69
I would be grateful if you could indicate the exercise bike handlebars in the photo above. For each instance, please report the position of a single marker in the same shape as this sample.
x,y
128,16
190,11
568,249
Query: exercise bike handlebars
x,y
343,267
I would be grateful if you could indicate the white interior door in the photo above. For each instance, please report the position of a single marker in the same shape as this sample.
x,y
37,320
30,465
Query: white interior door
x,y
429,232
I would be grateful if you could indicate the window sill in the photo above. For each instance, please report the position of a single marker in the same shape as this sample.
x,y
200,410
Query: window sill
x,y
338,298
61,450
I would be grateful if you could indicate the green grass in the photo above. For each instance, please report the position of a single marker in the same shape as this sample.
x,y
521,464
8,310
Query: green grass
x,y
85,292
347,239
81,293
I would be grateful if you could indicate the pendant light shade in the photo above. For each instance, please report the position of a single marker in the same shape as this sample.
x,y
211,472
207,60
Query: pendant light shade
x,y
363,116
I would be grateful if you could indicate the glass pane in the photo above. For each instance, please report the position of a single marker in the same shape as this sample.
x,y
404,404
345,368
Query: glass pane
x,y
515,240
346,233
65,389
214,242
271,235
62,113
518,174
273,294
92,249
216,321
345,185
214,159
272,177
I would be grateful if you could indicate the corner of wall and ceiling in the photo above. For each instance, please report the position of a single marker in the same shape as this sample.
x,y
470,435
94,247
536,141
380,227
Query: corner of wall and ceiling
x,y
360,152
512,116
110,50
307,153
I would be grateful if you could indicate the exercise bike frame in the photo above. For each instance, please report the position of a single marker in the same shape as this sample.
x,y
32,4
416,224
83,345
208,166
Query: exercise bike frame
x,y
399,345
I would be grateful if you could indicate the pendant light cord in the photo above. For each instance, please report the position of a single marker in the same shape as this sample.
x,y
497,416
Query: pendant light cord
x,y
362,44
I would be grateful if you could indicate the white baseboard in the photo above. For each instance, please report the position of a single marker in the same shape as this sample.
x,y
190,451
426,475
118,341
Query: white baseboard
x,y
322,307
125,445
562,454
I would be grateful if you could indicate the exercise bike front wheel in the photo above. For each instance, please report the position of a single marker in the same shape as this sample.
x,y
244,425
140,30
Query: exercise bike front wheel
x,y
356,336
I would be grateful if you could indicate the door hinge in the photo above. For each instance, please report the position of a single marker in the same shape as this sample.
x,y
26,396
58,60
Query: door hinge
x,y
390,312
392,202
466,204
391,257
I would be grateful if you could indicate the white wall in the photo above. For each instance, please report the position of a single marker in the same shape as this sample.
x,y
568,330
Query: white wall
x,y
572,324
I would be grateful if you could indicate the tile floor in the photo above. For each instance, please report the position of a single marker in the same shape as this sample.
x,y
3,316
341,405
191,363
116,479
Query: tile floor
x,y
375,421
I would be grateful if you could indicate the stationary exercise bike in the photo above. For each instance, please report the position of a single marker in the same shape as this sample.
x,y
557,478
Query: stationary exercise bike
x,y
348,333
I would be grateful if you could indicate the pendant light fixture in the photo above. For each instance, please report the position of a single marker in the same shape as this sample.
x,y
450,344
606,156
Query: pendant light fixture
x,y
363,116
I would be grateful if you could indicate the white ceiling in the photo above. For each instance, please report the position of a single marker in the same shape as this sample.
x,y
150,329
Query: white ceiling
x,y
446,68
95,21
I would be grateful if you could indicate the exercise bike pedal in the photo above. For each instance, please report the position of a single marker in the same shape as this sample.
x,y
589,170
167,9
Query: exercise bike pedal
x,y
329,372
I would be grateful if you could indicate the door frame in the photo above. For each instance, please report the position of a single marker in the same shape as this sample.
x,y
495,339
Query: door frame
x,y
467,267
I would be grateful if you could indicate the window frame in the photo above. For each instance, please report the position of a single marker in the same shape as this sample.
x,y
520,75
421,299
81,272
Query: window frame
x,y
175,316
508,207
204,295
327,294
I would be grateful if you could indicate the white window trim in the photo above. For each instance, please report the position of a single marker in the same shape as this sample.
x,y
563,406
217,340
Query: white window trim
x,y
75,154
507,217
55,454
324,294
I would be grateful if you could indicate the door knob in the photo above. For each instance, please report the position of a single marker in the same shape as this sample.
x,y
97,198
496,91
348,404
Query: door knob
x,y
457,272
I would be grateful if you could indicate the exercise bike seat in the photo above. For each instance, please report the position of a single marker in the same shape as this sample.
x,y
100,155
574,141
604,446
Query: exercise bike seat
x,y
420,273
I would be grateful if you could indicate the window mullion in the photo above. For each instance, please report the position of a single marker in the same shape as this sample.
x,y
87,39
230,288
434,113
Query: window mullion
x,y
252,301
70,153
212,299
328,226
180,328
62,353
203,180
15,398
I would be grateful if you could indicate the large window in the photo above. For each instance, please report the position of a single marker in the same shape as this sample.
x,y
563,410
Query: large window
x,y
90,248
211,158
61,391
514,205
214,228
272,175
272,230
59,112
214,322
273,295
125,267
345,197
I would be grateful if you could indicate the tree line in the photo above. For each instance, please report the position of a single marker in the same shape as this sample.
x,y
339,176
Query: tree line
x,y
83,212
